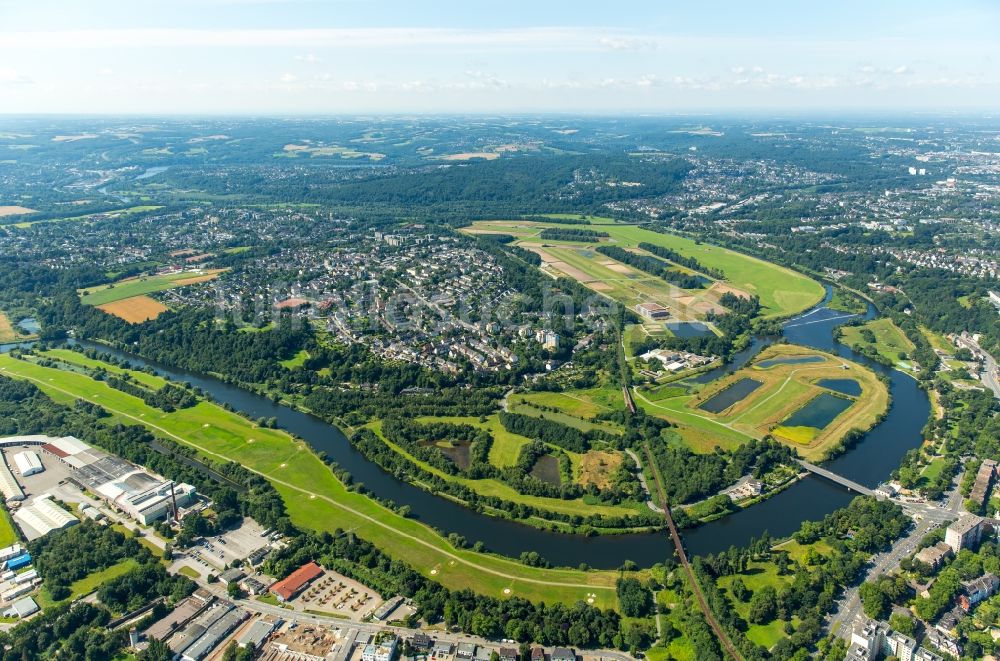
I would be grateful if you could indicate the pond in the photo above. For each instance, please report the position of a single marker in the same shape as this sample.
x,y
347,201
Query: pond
x,y
819,411
458,452
29,325
721,401
687,329
848,387
546,469
790,360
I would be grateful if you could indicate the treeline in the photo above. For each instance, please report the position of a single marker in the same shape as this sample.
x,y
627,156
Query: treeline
x,y
566,234
681,260
515,618
168,399
690,476
550,431
653,266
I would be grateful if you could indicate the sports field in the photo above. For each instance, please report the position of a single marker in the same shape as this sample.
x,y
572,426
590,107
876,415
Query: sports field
x,y
782,291
790,379
142,285
135,309
314,497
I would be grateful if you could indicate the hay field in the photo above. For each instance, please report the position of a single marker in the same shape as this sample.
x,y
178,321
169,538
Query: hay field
x,y
135,309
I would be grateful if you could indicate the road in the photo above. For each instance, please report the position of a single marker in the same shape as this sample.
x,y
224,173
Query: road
x,y
369,628
642,480
927,518
989,377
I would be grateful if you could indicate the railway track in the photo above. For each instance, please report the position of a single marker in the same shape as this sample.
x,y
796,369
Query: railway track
x,y
724,641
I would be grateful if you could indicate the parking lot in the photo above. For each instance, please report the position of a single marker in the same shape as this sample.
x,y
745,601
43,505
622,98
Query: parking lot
x,y
35,485
336,593
216,552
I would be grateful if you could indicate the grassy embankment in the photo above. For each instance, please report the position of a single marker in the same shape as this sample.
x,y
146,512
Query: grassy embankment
x,y
782,291
786,388
315,498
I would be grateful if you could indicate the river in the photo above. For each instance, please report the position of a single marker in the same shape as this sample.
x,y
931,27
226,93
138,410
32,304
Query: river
x,y
869,462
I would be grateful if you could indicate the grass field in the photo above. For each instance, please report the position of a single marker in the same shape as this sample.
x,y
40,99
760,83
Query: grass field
x,y
890,342
135,309
8,534
786,387
142,285
782,291
315,498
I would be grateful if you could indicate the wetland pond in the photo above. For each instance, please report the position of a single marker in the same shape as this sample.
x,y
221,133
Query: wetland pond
x,y
737,392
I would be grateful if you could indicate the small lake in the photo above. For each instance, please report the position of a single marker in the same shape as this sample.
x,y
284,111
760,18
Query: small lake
x,y
29,325
845,386
684,329
819,412
546,469
790,360
721,401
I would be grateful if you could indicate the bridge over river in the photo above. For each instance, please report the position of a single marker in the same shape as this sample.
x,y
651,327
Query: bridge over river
x,y
839,479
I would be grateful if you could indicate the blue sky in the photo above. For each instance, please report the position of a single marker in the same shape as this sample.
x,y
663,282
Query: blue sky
x,y
397,57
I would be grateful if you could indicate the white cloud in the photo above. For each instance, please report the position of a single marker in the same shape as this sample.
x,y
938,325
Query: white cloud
x,y
10,76
289,78
901,70
308,58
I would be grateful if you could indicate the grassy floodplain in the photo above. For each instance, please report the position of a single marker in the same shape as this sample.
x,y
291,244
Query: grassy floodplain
x,y
782,291
890,342
497,489
104,214
142,285
786,388
314,497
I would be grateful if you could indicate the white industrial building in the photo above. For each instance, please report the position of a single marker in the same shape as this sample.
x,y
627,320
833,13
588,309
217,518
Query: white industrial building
x,y
146,497
43,516
28,463
22,608
8,485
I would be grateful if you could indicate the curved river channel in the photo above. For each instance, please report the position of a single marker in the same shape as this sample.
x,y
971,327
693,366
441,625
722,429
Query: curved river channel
x,y
868,462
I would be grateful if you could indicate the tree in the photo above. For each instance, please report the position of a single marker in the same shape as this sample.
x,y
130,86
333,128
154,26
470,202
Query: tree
x,y
739,589
763,605
635,599
157,651
903,624
874,600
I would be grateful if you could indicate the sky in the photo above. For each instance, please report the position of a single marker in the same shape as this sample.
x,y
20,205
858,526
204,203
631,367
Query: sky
x,y
325,57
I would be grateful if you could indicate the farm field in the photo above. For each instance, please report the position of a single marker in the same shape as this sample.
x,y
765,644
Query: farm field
x,y
324,503
782,291
142,285
789,376
890,342
7,332
135,309
14,210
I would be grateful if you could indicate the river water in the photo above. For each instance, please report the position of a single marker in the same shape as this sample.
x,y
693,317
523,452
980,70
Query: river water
x,y
869,462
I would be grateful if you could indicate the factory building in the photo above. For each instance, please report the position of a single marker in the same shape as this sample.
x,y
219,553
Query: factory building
x,y
43,516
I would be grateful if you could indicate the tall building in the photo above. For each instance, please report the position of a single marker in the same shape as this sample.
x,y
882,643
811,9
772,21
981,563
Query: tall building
x,y
964,533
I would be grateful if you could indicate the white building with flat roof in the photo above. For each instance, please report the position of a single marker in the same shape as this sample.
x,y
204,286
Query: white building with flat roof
x,y
146,497
28,463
